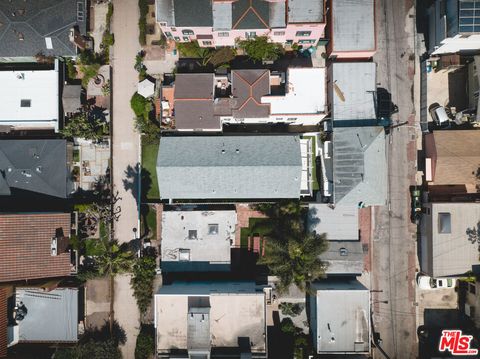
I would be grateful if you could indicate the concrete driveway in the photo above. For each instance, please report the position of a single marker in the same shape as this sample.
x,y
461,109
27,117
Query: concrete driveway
x,y
126,152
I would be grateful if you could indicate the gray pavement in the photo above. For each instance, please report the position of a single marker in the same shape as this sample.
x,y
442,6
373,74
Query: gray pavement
x,y
125,154
394,258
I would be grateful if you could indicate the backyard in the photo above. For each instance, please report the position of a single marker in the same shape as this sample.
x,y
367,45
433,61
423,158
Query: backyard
x,y
256,226
149,173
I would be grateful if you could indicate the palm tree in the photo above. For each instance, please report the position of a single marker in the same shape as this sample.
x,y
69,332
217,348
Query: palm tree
x,y
291,252
112,259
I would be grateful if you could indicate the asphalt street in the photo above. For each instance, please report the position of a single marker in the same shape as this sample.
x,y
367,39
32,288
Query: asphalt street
x,y
394,258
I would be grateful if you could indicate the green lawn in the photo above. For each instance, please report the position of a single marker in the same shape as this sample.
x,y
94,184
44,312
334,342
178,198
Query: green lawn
x,y
148,222
315,184
262,228
149,172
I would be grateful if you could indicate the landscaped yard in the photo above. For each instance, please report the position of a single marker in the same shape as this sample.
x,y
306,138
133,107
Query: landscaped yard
x,y
149,172
256,226
149,221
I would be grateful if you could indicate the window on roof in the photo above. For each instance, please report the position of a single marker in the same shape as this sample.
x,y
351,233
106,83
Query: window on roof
x,y
213,229
303,33
278,33
192,234
306,41
184,255
207,43
25,103
168,34
187,32
173,28
444,223
186,39
250,34
224,34
177,38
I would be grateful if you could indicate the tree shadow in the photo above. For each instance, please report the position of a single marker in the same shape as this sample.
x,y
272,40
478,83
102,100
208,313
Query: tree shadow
x,y
131,181
103,334
473,234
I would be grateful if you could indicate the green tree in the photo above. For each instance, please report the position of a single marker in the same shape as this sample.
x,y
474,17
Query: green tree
x,y
145,345
90,350
89,72
71,70
222,56
140,105
194,50
83,126
291,252
142,21
142,281
261,49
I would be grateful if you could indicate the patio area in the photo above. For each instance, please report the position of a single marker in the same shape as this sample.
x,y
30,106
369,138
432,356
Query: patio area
x,y
94,161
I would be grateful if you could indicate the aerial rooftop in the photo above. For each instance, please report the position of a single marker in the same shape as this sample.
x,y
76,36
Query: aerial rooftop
x,y
33,27
352,90
340,317
359,166
229,167
197,240
30,98
50,316
210,316
338,222
29,255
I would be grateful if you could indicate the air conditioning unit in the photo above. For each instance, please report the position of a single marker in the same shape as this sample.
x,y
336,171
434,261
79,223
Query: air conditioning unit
x,y
53,247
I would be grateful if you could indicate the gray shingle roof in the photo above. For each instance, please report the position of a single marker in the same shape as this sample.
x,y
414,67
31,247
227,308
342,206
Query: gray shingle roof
x,y
229,167
343,258
250,14
305,11
222,16
36,20
193,13
356,82
164,12
71,98
359,166
34,165
353,24
194,86
277,15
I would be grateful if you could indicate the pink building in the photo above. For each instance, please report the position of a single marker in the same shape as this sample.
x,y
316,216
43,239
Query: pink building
x,y
351,29
222,22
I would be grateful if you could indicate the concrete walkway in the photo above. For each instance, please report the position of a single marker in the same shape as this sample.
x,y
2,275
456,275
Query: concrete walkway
x,y
125,154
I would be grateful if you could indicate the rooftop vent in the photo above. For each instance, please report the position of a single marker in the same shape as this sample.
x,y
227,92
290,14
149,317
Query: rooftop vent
x,y
343,251
21,76
53,246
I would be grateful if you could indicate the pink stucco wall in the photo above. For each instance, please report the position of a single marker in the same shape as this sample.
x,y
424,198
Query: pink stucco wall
x,y
280,35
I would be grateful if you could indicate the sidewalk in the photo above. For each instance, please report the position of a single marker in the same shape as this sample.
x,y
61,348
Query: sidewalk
x,y
126,143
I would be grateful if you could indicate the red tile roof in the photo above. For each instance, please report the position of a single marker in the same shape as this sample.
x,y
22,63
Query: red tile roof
x,y
25,241
3,323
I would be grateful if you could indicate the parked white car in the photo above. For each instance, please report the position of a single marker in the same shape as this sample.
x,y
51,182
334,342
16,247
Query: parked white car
x,y
426,282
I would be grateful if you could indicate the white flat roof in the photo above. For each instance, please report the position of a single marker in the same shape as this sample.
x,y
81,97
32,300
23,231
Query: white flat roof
x,y
338,222
236,310
305,93
214,232
30,98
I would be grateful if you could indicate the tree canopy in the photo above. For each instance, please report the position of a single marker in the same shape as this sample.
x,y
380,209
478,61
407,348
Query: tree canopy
x,y
261,49
291,251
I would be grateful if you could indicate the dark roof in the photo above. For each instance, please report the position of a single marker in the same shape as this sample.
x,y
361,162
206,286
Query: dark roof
x,y
34,165
25,246
36,20
343,257
193,13
250,14
194,86
248,87
194,102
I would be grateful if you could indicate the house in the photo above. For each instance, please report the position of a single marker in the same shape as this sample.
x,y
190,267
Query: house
x,y
195,240
471,301
453,27
344,255
39,316
234,167
49,27
452,159
358,166
210,320
351,29
205,102
449,238
222,23
352,88
340,317
40,249
30,99
35,166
